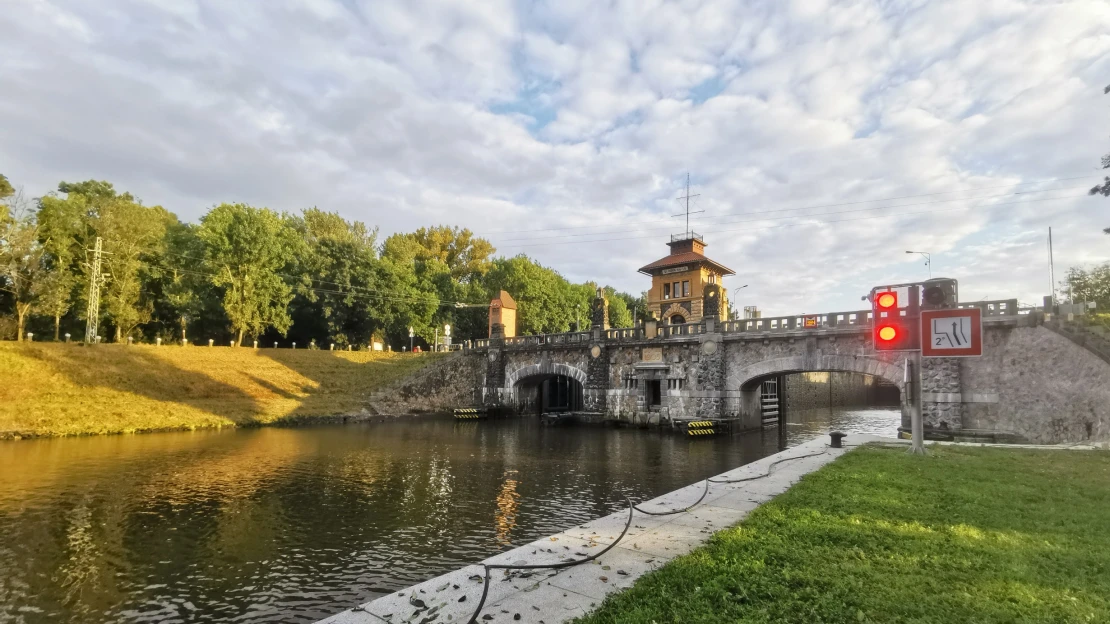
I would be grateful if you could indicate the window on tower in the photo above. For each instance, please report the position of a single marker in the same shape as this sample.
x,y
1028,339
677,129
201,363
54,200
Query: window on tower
x,y
685,288
666,291
677,290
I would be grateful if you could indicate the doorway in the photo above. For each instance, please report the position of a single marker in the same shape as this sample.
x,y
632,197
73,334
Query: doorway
x,y
655,392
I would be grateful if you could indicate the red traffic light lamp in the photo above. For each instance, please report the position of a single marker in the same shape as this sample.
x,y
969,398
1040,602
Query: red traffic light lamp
x,y
891,331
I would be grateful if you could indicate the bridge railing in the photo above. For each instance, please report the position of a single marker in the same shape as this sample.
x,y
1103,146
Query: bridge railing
x,y
781,323
996,307
852,318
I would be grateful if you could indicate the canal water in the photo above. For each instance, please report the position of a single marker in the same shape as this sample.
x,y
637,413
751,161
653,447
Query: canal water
x,y
292,525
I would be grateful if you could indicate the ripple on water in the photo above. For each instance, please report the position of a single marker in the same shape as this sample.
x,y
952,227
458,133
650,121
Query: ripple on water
x,y
292,525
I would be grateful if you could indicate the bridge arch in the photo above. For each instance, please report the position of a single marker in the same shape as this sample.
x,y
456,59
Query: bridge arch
x,y
543,369
546,387
749,377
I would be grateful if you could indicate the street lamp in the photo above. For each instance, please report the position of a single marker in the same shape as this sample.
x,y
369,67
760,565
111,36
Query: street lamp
x,y
411,334
928,260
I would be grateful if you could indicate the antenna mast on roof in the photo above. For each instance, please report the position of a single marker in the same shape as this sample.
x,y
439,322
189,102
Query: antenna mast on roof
x,y
687,197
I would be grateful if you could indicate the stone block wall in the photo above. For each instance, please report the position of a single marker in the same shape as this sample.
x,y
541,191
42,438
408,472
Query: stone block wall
x,y
454,381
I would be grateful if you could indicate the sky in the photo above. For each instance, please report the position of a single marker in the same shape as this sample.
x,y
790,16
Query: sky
x,y
823,139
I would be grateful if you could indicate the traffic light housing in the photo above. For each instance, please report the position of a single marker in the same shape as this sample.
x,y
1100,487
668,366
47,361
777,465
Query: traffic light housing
x,y
890,330
939,293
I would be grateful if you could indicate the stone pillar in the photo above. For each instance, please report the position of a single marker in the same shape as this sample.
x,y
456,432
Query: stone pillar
x,y
710,377
711,302
597,378
941,406
600,311
493,394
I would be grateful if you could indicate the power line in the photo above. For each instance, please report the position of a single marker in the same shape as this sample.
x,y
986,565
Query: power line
x,y
800,216
771,227
834,205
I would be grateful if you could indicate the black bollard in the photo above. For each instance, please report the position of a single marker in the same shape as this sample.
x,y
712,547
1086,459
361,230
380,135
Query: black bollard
x,y
836,438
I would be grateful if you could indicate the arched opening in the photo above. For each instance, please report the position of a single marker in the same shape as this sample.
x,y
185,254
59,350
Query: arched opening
x,y
678,319
803,404
540,394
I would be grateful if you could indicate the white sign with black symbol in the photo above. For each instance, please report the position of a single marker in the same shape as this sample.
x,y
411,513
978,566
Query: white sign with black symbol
x,y
953,332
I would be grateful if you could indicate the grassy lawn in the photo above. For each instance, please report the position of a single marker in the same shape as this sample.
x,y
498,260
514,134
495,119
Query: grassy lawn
x,y
49,389
963,535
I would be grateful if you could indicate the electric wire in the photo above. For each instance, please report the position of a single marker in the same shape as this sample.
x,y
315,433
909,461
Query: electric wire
x,y
834,205
806,216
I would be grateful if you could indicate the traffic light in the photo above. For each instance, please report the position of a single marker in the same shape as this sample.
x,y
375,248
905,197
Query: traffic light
x,y
939,293
890,330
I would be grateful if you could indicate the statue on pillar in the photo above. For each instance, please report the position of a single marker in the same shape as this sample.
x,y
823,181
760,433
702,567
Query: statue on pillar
x,y
600,311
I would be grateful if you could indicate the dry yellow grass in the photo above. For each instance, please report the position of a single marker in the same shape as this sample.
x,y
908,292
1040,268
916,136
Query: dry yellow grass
x,y
51,389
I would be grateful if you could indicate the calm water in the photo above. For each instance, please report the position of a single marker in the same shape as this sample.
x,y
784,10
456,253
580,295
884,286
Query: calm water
x,y
292,525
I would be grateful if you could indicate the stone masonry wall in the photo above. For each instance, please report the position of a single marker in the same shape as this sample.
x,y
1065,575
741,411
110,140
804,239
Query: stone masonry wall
x,y
1038,385
454,381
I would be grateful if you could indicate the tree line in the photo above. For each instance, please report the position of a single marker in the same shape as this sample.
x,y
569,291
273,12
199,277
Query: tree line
x,y
244,273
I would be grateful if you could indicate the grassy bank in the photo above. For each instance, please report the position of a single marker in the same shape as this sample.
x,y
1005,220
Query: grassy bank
x,y
49,389
963,535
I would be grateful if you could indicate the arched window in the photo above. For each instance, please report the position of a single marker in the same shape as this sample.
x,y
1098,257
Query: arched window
x,y
677,319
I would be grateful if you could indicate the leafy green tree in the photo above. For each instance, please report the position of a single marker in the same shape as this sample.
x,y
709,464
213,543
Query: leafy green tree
x,y
467,257
340,294
62,227
619,313
1081,286
22,270
1104,188
184,287
546,302
246,249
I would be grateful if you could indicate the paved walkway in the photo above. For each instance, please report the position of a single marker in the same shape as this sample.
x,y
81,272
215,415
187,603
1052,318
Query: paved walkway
x,y
554,596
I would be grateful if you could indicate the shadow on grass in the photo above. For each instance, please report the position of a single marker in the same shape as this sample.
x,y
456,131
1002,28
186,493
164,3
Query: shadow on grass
x,y
342,382
141,372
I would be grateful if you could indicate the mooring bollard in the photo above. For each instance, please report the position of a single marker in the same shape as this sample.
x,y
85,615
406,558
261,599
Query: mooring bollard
x,y
96,340
331,347
67,338
184,342
294,345
275,344
130,341
255,344
836,437
157,342
348,347
210,341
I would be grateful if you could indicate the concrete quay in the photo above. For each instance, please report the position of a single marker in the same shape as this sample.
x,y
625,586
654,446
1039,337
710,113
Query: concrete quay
x,y
553,596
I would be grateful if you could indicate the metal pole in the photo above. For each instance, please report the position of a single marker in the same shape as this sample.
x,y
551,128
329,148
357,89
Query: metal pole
x,y
1051,268
92,313
913,396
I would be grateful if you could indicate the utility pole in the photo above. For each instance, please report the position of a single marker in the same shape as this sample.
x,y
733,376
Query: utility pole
x,y
96,279
687,197
1051,268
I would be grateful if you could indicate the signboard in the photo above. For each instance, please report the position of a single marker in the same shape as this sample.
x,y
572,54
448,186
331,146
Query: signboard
x,y
681,269
952,333
809,321
650,354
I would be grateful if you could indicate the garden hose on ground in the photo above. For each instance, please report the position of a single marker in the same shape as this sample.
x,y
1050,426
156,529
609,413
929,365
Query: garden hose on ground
x,y
627,525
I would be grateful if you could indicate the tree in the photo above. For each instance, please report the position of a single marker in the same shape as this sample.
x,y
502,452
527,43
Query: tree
x,y
467,257
184,287
341,293
21,255
246,248
1103,188
61,232
1080,286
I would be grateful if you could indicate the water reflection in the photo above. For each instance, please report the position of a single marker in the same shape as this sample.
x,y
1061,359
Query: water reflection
x,y
292,525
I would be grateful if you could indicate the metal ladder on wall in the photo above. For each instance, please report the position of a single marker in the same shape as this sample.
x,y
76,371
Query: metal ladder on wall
x,y
769,402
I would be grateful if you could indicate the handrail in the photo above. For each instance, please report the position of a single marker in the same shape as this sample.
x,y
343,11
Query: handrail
x,y
794,322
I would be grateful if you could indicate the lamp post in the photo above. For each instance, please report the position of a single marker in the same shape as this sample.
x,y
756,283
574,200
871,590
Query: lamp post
x,y
411,334
928,260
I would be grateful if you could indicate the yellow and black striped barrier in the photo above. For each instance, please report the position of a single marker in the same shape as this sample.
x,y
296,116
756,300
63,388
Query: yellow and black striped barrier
x,y
700,428
469,413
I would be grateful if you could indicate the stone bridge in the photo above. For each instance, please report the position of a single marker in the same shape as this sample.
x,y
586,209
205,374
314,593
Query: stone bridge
x,y
1031,382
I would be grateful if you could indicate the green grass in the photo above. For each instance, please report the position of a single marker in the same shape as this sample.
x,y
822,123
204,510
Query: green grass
x,y
50,389
966,534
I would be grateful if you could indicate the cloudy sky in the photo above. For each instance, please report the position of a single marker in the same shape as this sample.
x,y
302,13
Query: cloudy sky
x,y
824,138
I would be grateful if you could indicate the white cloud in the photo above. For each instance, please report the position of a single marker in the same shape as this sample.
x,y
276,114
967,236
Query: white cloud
x,y
513,117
